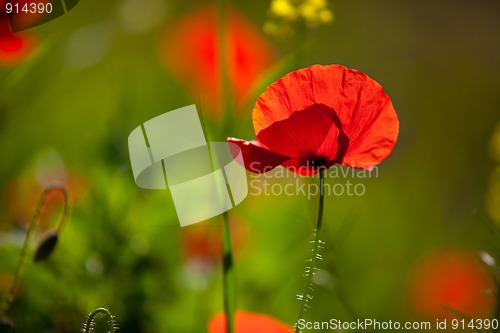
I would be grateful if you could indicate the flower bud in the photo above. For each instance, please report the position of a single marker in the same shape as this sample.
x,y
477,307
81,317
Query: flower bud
x,y
46,246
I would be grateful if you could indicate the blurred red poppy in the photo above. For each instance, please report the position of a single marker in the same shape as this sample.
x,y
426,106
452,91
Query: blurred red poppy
x,y
203,242
319,116
451,278
23,14
23,192
248,322
13,47
188,49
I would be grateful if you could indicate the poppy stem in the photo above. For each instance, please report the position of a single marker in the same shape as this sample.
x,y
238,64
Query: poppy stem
x,y
229,282
306,296
108,316
223,48
59,187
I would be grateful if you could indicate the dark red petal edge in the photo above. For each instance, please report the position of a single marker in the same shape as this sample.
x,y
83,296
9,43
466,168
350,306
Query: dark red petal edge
x,y
257,158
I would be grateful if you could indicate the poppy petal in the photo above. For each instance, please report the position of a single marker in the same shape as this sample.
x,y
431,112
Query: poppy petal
x,y
301,166
366,114
257,158
247,322
282,98
375,139
13,47
308,134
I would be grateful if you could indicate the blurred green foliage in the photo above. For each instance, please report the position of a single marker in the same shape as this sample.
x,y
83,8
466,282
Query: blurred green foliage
x,y
96,75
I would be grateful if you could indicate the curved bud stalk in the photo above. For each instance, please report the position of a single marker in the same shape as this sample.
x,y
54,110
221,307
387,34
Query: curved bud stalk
x,y
45,247
109,321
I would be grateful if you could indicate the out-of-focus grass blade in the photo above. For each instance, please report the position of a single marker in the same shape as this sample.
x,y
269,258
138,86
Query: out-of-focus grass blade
x,y
459,314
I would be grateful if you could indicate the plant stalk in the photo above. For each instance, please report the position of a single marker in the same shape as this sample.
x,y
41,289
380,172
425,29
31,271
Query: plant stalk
x,y
229,281
306,296
9,295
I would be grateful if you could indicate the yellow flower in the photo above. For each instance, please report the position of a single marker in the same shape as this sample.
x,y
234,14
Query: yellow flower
x,y
284,9
325,16
278,29
308,12
318,3
285,13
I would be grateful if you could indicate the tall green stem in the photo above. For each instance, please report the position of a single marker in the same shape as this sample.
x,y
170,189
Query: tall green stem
x,y
223,51
306,296
9,295
229,285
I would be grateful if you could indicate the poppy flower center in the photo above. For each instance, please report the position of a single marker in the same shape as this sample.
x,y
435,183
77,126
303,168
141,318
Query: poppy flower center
x,y
319,162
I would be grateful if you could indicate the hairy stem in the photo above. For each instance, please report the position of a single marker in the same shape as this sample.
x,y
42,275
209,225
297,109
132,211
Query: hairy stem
x,y
108,316
229,283
306,296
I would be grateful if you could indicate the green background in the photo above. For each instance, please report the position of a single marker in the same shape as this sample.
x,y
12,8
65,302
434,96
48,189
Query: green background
x,y
437,60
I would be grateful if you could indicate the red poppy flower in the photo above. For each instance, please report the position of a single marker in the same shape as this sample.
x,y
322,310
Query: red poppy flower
x,y
319,116
452,278
23,192
248,322
203,241
188,49
13,47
